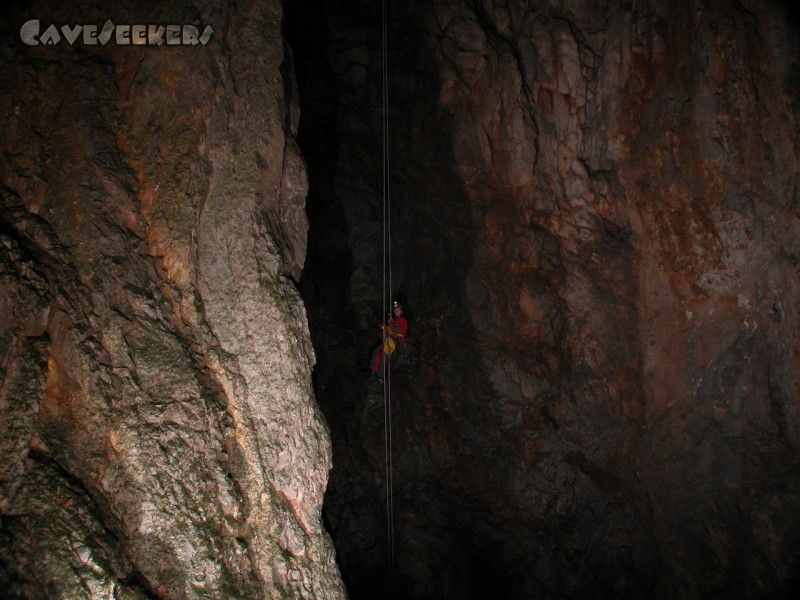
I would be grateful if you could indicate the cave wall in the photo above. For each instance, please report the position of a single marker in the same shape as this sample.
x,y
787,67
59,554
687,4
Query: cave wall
x,y
161,438
595,229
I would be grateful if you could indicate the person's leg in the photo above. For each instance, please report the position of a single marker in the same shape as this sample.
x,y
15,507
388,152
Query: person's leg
x,y
382,371
377,361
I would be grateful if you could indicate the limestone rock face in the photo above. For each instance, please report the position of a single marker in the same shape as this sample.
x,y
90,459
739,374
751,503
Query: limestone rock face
x,y
161,438
595,229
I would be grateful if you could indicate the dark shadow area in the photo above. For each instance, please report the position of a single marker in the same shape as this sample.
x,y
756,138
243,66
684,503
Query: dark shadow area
x,y
337,48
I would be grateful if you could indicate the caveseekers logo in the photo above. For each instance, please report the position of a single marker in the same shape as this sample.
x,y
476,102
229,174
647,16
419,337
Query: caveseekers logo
x,y
123,35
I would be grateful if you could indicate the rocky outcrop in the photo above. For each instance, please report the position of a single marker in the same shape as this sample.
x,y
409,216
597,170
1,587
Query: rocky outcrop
x,y
161,435
594,224
595,230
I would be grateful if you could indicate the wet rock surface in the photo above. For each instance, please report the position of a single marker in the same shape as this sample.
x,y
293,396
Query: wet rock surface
x,y
595,231
161,439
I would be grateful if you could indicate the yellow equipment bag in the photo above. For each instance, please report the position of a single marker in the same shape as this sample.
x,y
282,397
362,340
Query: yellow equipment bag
x,y
388,345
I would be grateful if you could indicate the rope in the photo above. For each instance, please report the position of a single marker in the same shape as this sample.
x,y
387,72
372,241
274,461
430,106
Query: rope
x,y
387,297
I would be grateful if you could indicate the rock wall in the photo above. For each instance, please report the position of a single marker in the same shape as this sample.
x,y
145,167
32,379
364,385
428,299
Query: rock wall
x,y
595,225
161,435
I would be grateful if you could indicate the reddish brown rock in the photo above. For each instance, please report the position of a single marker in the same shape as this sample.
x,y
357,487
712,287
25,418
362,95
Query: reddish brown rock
x,y
595,233
161,435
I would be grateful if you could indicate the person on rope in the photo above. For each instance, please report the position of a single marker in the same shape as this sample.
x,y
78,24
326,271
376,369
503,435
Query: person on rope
x,y
394,339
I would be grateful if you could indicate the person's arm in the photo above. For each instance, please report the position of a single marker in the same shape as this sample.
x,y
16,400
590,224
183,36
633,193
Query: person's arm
x,y
401,329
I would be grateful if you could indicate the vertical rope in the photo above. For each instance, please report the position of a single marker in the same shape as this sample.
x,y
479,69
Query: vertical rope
x,y
387,297
386,158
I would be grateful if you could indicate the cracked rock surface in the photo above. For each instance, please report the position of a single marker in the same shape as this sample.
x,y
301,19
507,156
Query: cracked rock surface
x,y
161,438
